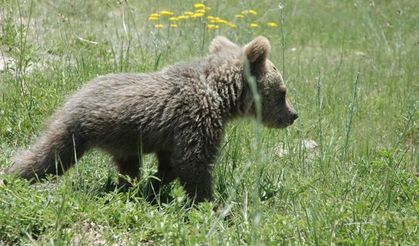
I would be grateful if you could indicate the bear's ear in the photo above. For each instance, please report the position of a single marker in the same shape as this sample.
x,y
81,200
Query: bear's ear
x,y
256,53
221,43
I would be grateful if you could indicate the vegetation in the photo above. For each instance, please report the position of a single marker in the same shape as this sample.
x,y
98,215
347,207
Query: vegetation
x,y
345,173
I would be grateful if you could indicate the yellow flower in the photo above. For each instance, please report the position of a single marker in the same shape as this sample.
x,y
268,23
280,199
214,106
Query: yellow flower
x,y
201,11
249,12
252,12
166,13
199,5
253,25
221,21
232,25
154,15
188,13
218,20
153,18
196,15
239,16
182,17
212,27
173,18
271,24
173,25
158,26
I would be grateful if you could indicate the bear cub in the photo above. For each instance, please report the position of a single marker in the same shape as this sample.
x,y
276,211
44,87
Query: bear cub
x,y
178,113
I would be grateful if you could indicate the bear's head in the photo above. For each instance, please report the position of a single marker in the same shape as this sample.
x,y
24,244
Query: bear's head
x,y
276,110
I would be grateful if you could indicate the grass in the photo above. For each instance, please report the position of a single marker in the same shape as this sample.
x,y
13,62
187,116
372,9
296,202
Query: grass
x,y
351,70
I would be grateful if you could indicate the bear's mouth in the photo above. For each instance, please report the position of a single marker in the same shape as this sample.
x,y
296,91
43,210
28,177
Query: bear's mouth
x,y
291,121
278,123
286,123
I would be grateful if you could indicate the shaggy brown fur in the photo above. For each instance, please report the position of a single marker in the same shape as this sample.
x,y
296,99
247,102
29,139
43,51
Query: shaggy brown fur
x,y
178,113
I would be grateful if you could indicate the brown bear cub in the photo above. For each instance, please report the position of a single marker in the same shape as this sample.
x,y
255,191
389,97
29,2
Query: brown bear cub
x,y
178,113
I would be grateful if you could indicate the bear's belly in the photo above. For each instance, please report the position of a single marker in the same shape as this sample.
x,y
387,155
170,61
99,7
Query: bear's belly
x,y
133,143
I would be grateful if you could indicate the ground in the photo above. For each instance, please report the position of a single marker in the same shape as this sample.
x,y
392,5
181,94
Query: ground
x,y
345,173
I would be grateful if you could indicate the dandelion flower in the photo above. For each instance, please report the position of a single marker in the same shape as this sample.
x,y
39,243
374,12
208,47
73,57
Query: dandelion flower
x,y
221,21
174,18
173,25
158,26
271,24
201,11
153,18
196,15
212,27
232,25
239,16
182,17
166,13
210,17
254,25
199,5
249,12
154,15
188,13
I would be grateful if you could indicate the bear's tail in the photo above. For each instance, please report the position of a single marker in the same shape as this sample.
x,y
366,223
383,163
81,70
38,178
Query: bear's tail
x,y
53,153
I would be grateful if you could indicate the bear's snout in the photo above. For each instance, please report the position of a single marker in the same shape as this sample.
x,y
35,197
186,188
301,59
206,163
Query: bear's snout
x,y
294,116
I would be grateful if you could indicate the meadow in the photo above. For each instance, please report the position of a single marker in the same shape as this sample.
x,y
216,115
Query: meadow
x,y
346,173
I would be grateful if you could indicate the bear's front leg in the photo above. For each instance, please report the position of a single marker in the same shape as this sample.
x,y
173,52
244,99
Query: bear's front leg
x,y
192,162
197,183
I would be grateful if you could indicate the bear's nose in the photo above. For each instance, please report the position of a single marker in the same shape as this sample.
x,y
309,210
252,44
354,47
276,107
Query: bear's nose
x,y
294,116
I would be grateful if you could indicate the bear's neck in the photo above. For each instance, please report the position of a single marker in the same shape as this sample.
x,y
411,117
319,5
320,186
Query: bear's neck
x,y
236,98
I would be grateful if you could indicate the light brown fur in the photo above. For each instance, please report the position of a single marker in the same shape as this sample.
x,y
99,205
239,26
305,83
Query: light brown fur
x,y
178,113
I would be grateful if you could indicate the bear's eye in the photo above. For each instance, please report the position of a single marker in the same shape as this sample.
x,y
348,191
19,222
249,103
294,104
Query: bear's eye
x,y
283,93
274,68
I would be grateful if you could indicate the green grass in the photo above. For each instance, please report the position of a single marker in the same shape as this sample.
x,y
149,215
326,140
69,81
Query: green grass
x,y
351,68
